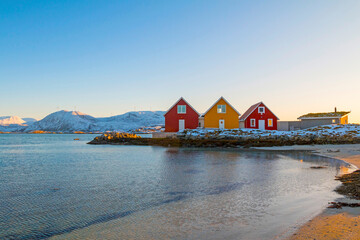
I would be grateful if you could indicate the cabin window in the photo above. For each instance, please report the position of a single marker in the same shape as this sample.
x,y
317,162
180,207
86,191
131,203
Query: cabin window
x,y
333,121
261,110
252,122
181,108
221,108
270,122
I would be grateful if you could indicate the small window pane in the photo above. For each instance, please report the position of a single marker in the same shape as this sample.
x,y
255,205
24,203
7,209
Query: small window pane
x,y
221,108
270,122
181,108
252,122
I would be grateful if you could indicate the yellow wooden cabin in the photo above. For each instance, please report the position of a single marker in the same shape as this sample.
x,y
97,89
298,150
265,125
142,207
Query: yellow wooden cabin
x,y
221,115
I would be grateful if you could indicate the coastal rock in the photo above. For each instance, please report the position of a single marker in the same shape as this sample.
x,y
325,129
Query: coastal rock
x,y
245,137
113,137
350,185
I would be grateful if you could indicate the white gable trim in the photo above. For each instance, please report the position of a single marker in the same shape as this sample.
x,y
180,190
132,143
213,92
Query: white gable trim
x,y
270,111
177,103
257,105
226,102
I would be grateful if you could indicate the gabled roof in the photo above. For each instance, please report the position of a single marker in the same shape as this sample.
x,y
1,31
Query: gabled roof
x,y
324,115
217,102
249,111
252,109
178,102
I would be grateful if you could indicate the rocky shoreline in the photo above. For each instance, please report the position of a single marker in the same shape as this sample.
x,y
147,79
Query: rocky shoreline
x,y
350,186
218,140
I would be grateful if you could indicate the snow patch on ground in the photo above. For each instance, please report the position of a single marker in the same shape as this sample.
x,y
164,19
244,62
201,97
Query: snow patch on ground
x,y
321,131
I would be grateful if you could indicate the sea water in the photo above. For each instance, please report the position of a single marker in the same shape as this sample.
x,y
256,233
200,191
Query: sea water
x,y
54,187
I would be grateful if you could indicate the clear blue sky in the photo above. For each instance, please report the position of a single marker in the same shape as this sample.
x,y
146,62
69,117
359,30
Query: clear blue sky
x,y
109,57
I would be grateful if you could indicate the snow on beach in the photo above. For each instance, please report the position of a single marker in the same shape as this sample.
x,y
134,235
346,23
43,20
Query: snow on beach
x,y
349,130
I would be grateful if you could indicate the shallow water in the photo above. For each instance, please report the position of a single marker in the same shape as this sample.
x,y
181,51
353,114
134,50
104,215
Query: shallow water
x,y
51,185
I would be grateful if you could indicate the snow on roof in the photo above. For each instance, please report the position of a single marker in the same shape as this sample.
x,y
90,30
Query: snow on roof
x,y
178,102
324,115
217,102
251,109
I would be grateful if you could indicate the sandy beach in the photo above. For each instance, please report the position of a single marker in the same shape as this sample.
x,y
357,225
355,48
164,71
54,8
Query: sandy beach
x,y
331,223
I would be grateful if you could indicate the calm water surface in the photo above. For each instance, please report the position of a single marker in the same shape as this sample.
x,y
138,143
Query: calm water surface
x,y
53,186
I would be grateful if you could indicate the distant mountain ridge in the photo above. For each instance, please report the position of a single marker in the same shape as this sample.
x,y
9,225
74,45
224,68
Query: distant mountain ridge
x,y
15,120
10,120
70,121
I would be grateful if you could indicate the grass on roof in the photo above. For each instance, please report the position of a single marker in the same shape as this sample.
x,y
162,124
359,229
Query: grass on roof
x,y
325,114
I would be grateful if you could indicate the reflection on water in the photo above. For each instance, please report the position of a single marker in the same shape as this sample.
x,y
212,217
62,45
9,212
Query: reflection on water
x,y
51,185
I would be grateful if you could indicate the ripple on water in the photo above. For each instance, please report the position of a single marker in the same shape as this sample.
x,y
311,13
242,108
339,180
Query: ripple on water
x,y
55,186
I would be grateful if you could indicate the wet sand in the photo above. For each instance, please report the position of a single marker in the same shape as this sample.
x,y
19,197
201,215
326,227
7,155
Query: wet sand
x,y
332,223
346,152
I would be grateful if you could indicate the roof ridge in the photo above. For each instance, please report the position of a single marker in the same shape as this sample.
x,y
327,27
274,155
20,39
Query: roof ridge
x,y
325,114
226,102
250,110
181,98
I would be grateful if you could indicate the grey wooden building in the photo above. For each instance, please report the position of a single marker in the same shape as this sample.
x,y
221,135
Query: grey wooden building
x,y
315,119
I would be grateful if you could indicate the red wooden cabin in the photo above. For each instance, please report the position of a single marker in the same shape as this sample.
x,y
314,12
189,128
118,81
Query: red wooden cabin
x,y
259,116
181,116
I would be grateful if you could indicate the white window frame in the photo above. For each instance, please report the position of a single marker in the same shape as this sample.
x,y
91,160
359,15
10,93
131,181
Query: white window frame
x,y
272,122
262,111
221,108
181,109
252,122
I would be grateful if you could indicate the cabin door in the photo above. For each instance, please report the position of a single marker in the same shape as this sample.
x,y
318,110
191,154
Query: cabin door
x,y
181,124
221,123
262,124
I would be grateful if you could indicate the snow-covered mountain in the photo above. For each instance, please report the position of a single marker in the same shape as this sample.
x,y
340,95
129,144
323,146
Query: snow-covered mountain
x,y
29,120
9,120
132,120
14,123
15,120
70,121
64,121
